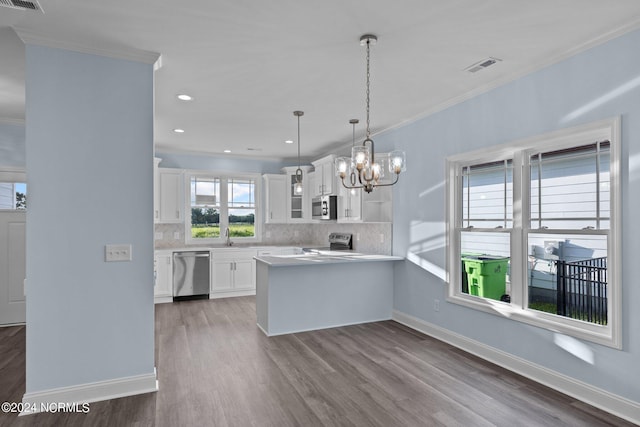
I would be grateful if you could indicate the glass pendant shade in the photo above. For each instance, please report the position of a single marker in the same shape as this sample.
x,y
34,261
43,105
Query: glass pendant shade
x,y
397,162
297,188
360,155
342,165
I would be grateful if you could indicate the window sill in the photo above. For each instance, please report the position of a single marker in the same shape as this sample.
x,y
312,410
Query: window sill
x,y
598,334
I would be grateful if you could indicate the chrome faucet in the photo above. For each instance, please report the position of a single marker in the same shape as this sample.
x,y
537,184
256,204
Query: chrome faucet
x,y
226,233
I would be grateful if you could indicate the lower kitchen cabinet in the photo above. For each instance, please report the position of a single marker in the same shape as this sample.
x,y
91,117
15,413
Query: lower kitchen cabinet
x,y
233,273
163,273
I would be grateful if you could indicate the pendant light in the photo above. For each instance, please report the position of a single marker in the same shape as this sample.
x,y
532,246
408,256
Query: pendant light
x,y
363,170
298,186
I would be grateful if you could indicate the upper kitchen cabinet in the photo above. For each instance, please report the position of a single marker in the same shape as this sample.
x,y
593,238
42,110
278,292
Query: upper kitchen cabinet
x,y
325,176
349,204
377,205
275,198
170,194
298,206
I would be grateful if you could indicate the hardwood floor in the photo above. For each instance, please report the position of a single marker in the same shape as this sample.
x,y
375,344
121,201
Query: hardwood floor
x,y
216,368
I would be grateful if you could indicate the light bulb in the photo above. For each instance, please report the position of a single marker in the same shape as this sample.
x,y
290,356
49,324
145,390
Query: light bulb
x,y
342,165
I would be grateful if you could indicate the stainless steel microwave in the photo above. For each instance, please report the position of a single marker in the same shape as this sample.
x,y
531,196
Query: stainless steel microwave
x,y
324,207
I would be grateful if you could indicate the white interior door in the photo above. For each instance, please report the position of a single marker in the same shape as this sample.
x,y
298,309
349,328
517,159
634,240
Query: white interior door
x,y
12,254
12,267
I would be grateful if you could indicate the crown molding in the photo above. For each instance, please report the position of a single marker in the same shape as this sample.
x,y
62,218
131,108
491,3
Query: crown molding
x,y
12,121
130,54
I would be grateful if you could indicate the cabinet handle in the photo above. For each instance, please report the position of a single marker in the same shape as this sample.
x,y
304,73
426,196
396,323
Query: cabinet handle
x,y
157,214
270,215
177,214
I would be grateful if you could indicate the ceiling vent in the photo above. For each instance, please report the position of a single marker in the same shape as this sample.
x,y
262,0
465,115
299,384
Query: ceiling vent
x,y
481,65
22,5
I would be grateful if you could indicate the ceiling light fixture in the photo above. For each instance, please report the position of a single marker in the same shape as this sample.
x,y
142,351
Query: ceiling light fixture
x,y
178,130
288,141
362,168
298,186
184,97
226,151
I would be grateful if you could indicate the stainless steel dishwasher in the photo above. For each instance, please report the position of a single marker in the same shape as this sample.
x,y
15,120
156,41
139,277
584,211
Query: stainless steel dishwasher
x,y
191,275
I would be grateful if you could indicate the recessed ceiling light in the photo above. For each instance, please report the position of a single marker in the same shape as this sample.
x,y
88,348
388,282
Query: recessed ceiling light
x,y
227,151
288,141
178,130
184,97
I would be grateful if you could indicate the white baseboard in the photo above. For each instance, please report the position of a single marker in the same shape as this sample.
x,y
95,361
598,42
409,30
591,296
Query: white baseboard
x,y
228,294
90,392
602,399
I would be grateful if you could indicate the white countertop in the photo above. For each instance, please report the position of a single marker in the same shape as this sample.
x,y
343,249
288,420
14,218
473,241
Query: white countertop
x,y
324,257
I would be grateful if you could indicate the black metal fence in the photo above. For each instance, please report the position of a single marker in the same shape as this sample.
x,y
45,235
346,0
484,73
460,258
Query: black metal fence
x,y
582,289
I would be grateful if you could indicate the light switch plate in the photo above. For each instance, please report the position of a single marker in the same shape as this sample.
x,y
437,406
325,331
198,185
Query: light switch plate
x,y
159,235
114,253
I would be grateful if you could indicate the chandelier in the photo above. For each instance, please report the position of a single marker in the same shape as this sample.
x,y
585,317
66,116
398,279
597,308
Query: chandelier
x,y
362,168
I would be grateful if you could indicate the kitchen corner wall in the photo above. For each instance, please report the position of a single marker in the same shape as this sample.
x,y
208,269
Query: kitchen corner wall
x,y
368,238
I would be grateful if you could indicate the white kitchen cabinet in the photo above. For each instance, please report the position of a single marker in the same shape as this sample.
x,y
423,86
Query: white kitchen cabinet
x,y
325,176
171,195
163,273
377,206
298,206
275,198
233,272
349,204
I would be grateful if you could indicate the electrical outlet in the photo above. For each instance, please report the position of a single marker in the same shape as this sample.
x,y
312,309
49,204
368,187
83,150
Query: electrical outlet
x,y
159,235
267,234
436,305
176,235
114,253
358,237
296,233
381,238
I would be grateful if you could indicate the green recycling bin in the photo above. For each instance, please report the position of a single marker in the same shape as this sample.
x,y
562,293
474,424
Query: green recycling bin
x,y
486,275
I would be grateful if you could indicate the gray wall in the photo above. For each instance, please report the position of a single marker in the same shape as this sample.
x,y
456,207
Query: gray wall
x,y
600,83
90,159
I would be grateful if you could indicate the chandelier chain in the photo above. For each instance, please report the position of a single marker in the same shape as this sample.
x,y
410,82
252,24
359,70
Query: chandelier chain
x,y
368,90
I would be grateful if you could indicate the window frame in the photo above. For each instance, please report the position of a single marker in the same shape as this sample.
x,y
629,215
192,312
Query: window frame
x,y
13,176
224,178
520,152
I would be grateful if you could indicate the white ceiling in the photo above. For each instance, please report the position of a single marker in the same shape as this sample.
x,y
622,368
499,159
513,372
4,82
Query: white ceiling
x,y
250,63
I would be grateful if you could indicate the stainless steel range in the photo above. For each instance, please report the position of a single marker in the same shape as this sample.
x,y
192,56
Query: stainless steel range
x,y
337,242
340,242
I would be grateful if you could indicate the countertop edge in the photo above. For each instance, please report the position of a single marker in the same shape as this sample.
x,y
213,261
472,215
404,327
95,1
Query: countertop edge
x,y
274,261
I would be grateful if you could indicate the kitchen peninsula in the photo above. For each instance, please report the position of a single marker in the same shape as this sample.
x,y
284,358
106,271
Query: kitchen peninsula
x,y
303,292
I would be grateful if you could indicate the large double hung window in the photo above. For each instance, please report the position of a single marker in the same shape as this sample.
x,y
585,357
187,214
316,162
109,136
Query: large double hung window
x,y
221,205
534,231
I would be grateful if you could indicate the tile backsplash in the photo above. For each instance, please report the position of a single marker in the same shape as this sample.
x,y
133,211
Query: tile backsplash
x,y
367,237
